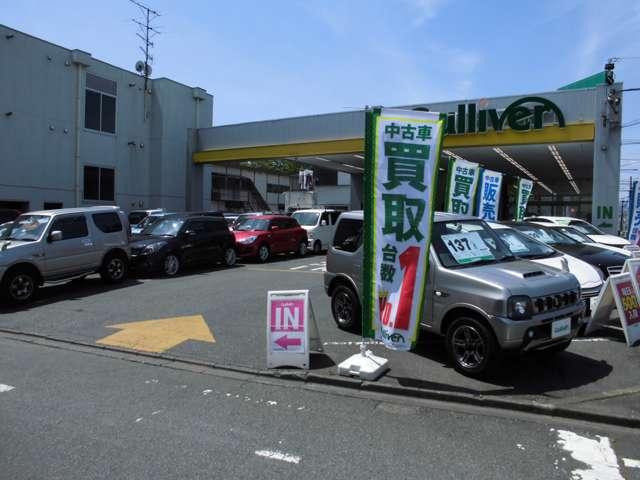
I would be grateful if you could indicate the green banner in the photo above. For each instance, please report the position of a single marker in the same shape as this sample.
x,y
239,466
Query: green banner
x,y
402,148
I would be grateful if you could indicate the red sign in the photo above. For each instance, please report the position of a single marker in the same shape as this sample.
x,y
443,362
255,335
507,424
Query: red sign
x,y
629,302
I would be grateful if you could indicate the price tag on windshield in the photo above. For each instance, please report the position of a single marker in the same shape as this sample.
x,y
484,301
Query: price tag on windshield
x,y
514,243
467,247
540,235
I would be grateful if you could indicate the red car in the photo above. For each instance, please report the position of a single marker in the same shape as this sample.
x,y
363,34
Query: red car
x,y
265,235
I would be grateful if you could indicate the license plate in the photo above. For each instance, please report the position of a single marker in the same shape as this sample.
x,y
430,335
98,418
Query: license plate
x,y
561,328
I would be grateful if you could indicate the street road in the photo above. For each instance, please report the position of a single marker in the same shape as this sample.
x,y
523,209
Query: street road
x,y
218,315
70,414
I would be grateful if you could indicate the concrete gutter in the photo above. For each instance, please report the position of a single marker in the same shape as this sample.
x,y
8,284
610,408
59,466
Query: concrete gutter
x,y
560,409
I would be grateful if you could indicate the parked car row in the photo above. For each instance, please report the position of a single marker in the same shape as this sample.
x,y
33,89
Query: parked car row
x,y
532,295
67,244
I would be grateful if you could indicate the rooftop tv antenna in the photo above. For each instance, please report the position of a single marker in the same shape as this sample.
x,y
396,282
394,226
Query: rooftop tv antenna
x,y
146,32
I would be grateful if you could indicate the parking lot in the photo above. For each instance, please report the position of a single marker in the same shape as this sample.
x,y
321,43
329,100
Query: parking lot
x,y
598,373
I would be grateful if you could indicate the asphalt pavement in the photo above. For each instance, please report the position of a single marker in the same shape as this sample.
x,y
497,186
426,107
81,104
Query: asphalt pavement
x,y
597,376
82,413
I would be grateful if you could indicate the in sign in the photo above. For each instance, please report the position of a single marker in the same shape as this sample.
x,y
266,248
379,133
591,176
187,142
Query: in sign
x,y
288,328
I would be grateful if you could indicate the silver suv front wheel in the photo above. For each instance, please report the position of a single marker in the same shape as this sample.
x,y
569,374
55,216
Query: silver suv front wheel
x,y
471,346
19,286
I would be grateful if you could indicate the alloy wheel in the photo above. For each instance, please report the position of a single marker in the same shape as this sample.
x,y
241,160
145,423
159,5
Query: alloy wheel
x,y
115,268
343,308
230,257
171,264
21,287
468,346
263,253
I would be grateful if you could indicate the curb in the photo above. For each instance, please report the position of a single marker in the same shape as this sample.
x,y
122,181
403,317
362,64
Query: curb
x,y
536,408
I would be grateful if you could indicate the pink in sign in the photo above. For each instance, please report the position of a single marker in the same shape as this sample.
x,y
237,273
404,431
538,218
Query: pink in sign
x,y
287,325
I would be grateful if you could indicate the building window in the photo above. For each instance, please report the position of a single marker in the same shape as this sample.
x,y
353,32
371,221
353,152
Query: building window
x,y
277,188
99,183
52,205
100,104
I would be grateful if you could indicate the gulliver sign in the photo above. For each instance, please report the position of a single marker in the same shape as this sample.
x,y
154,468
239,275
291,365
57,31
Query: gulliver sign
x,y
517,116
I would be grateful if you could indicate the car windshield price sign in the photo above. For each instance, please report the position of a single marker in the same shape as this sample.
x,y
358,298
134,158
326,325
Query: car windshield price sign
x,y
291,329
401,153
467,247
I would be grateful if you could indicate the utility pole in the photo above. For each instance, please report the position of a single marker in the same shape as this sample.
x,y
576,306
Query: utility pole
x,y
146,32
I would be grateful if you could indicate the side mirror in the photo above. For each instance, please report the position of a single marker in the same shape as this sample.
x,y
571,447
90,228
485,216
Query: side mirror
x,y
323,223
55,236
190,233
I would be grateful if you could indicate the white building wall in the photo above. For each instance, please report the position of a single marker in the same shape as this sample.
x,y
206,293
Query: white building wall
x,y
37,140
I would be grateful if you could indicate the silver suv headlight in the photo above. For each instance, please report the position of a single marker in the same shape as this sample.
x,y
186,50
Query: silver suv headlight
x,y
519,307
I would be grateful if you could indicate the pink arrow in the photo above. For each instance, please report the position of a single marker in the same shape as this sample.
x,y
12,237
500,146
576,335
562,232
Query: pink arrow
x,y
285,341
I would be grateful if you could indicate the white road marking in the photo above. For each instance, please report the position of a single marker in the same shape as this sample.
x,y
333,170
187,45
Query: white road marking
x,y
156,412
352,343
298,268
275,455
519,445
319,268
207,391
5,388
631,463
138,419
597,455
591,340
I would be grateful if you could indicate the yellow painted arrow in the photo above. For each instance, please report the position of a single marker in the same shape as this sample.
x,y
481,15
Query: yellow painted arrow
x,y
159,335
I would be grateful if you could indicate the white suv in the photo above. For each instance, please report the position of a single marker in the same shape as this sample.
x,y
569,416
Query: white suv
x,y
595,234
320,225
60,245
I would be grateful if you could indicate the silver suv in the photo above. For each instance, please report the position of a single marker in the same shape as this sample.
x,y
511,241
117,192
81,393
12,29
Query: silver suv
x,y
481,308
60,245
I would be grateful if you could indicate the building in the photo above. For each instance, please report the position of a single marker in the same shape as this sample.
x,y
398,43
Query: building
x,y
567,141
75,130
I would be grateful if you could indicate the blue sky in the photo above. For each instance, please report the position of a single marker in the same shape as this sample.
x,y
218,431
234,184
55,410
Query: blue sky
x,y
279,58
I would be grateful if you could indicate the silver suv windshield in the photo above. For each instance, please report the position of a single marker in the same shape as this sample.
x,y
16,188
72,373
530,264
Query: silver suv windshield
x,y
468,243
29,227
306,219
585,227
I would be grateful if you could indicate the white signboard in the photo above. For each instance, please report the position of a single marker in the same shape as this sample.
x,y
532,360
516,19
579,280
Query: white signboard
x,y
291,329
618,292
467,247
525,187
489,195
403,148
463,182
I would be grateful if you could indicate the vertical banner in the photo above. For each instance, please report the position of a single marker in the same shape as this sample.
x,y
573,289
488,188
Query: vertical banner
x,y
461,189
525,188
634,215
488,202
402,148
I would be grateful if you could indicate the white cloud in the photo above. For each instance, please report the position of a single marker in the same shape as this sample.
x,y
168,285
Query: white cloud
x,y
426,9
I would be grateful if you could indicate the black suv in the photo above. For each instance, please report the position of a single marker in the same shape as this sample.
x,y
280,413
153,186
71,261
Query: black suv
x,y
177,240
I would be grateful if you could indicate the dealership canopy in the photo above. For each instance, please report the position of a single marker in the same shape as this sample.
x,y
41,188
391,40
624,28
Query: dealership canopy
x,y
561,140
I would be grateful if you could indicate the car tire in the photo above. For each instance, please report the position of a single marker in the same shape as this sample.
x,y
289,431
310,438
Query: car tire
x,y
170,264
345,308
471,346
302,249
317,247
114,268
230,257
19,286
264,253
